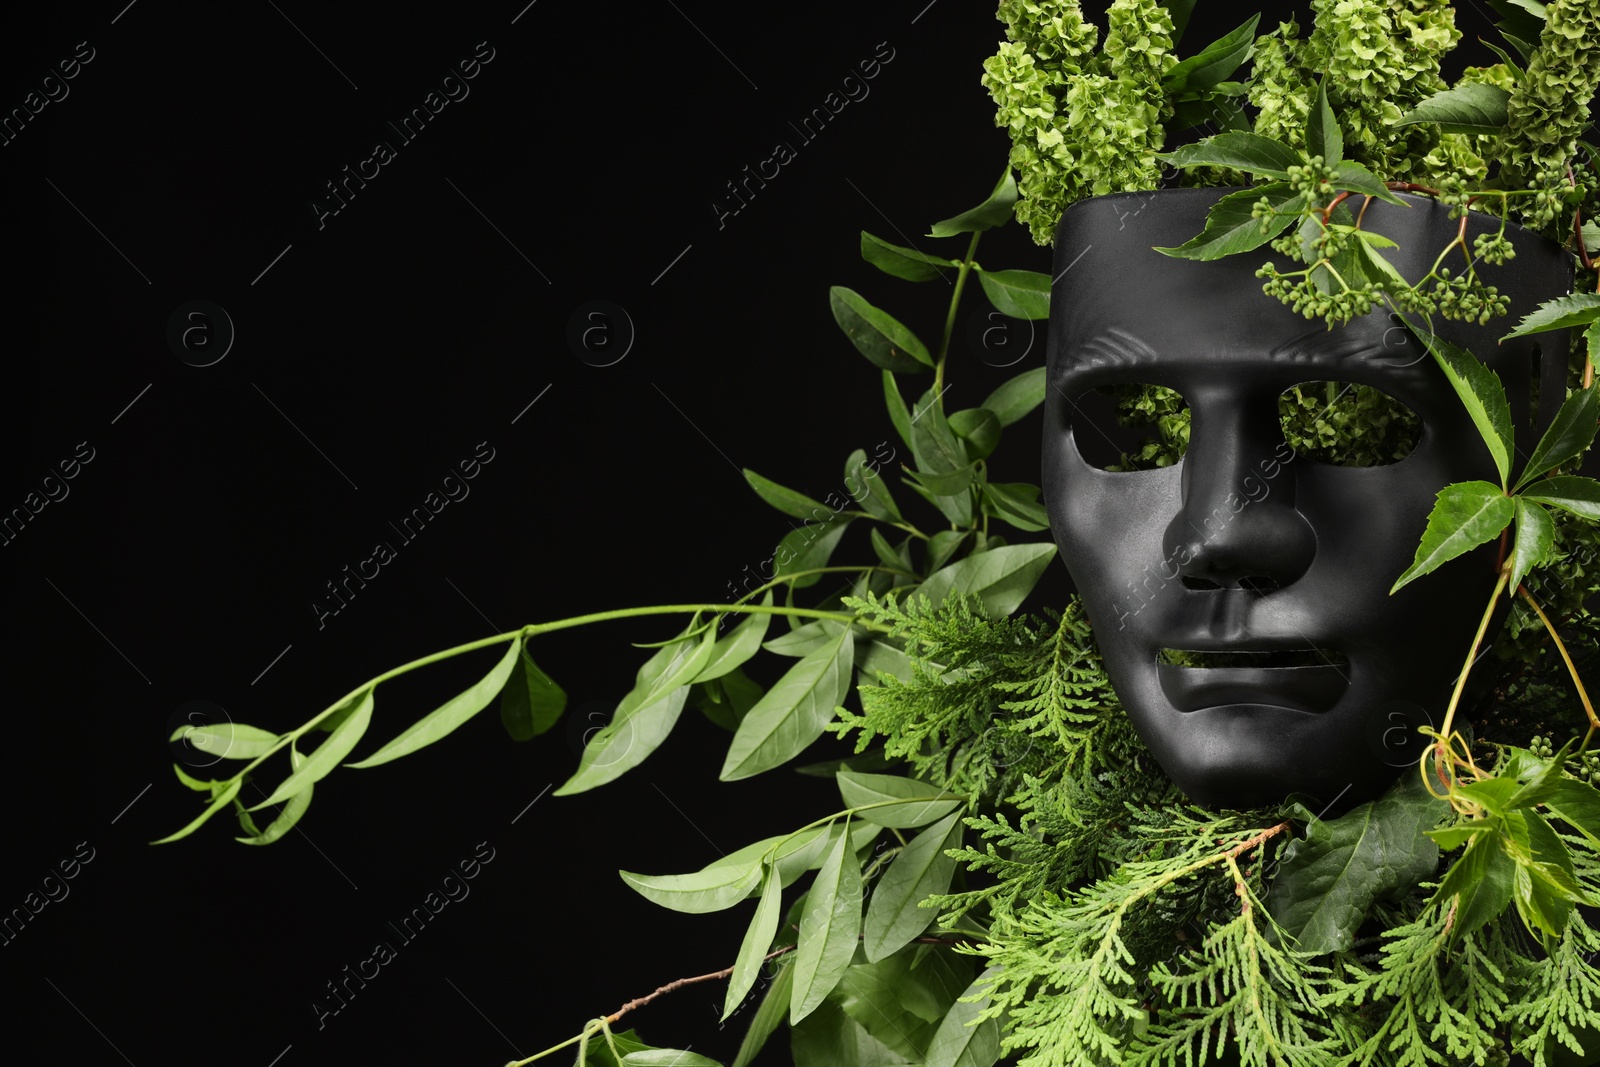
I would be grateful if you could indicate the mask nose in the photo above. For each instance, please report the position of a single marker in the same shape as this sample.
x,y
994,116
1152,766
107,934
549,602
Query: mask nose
x,y
1238,527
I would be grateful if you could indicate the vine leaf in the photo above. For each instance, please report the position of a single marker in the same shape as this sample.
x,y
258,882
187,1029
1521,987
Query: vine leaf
x,y
742,643
450,715
921,870
1568,436
1213,63
878,335
1323,136
994,211
1022,294
532,701
1231,225
1464,516
768,1016
1577,309
1482,877
1352,176
327,755
1577,804
1480,390
794,712
1240,151
753,950
1536,533
1329,879
905,263
1471,108
1017,397
1570,492
859,789
830,928
1000,578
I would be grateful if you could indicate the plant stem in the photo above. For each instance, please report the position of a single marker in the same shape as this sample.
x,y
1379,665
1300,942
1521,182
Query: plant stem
x,y
950,317
1583,694
1472,654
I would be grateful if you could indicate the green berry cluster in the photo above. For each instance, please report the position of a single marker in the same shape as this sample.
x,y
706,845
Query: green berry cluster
x,y
1301,291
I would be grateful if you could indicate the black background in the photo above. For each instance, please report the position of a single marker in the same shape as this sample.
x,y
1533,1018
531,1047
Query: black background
x,y
370,355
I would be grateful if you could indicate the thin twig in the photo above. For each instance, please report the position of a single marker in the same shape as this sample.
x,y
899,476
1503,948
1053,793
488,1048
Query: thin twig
x,y
639,1002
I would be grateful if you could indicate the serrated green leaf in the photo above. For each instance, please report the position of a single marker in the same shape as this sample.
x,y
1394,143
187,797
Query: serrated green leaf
x,y
1482,877
1578,805
293,809
227,740
1022,294
328,755
218,802
532,702
1536,533
830,928
1570,492
1560,313
1323,136
994,211
896,405
1231,225
1472,107
1000,578
757,939
873,495
1494,794
1017,397
785,499
1328,880
451,715
905,263
1453,837
879,336
771,1013
960,1043
1241,151
1214,63
794,712
743,642
1464,516
1570,433
1591,342
920,870
930,802
1353,177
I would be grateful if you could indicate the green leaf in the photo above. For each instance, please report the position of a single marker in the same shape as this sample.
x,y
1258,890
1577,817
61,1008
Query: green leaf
x,y
774,1008
1017,397
1540,786
1464,516
830,928
645,716
1323,136
1494,794
805,639
794,712
949,483
1018,504
1578,309
450,715
532,701
933,443
920,870
943,545
874,496
1180,10
1241,151
205,786
1000,578
860,789
960,1043
334,748
1570,433
218,802
1231,225
785,499
1570,492
905,263
1022,294
1536,533
1542,890
896,405
1328,880
1591,341
876,334
757,940
740,644
995,211
884,659
1352,176
227,740
1483,877
1578,805
667,1057
809,547
716,887
291,813
1214,63
599,1053
1469,108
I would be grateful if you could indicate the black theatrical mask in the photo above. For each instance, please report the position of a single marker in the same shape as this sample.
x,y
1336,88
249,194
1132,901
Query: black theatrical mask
x,y
1242,548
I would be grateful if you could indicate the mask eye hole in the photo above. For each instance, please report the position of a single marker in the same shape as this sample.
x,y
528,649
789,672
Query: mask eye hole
x,y
1131,426
1347,425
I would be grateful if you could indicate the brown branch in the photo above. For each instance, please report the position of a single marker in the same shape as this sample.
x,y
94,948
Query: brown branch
x,y
639,1002
1412,187
1245,846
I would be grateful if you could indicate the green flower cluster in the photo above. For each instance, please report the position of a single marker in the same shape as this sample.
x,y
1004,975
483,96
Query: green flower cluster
x,y
1082,122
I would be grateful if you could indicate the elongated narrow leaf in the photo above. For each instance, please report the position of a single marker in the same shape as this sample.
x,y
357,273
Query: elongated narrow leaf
x,y
907,263
1469,108
1017,397
1231,225
809,547
1215,62
925,802
1464,516
1536,533
450,715
645,716
774,1008
948,483
978,429
327,755
794,711
1353,177
934,444
1570,492
1242,151
1578,309
207,785
1000,578
717,887
1591,341
866,487
1018,504
227,740
994,211
876,334
1180,10
785,499
741,643
532,702
960,1043
293,809
1482,877
667,1057
896,405
920,870
1323,136
1480,390
218,802
806,639
757,939
830,928
1569,434
1022,294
